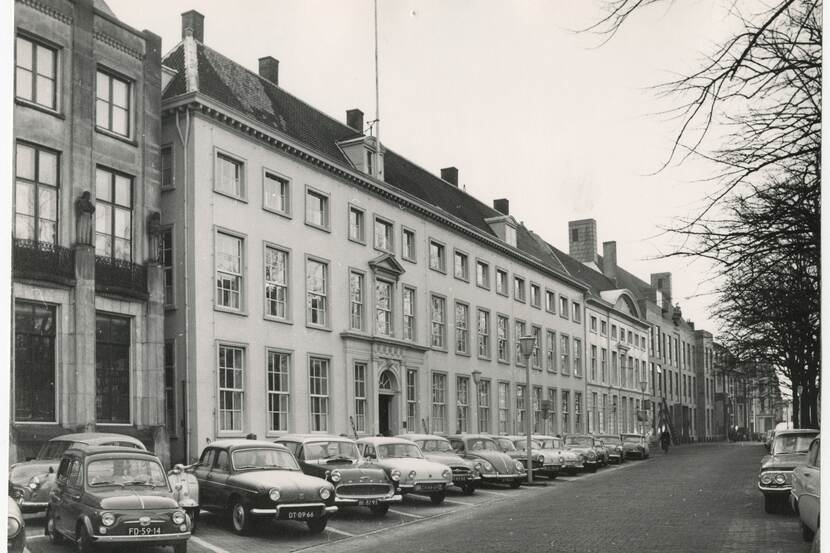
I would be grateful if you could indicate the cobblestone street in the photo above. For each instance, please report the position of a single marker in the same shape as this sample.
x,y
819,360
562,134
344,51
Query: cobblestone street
x,y
696,498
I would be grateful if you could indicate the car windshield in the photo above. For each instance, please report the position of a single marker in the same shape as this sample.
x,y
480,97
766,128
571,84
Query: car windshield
x,y
632,439
398,451
263,458
25,472
505,444
793,443
579,440
481,444
53,449
611,440
123,471
521,443
329,450
551,443
435,446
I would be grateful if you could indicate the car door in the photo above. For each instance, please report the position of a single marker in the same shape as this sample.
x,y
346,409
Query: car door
x,y
56,504
71,505
218,478
808,500
200,471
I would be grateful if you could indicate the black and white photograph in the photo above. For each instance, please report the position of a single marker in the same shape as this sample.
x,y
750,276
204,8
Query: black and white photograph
x,y
360,276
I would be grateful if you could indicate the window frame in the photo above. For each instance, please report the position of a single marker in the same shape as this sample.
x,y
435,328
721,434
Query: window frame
x,y
550,294
288,300
325,198
362,274
168,230
414,243
55,369
131,102
465,330
241,391
171,185
412,316
465,265
358,399
284,180
326,360
551,361
377,310
219,153
387,223
519,285
36,183
538,287
432,322
484,338
485,284
289,356
506,359
441,404
113,173
57,51
564,306
353,208
442,248
326,325
243,295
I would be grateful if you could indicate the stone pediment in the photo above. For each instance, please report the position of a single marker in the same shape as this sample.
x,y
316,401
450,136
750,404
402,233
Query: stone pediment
x,y
386,265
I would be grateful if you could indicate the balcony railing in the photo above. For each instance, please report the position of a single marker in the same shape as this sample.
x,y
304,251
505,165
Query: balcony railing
x,y
33,260
119,277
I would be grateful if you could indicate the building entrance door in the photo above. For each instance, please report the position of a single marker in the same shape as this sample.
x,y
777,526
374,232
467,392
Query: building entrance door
x,y
384,402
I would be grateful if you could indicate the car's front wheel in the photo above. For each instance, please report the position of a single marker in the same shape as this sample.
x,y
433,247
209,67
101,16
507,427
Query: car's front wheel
x,y
468,488
51,531
84,543
437,498
317,525
180,547
771,504
515,483
380,510
240,517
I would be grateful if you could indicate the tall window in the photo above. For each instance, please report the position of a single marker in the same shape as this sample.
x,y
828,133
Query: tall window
x,y
504,407
535,295
552,413
165,256
228,271
276,282
603,419
518,288
167,167
550,302
577,357
536,358
275,193
384,235
408,244
356,302
603,328
412,400
501,282
278,391
483,333
614,367
577,312
317,292
112,104
36,194
439,402
566,402
113,214
483,274
577,412
564,354
169,354
537,410
318,374
357,225
437,256
503,337
409,313
461,266
550,354
112,369
360,397
36,73
317,209
34,362
231,387
462,390
484,406
383,307
438,333
603,364
462,328
563,306
521,409
520,331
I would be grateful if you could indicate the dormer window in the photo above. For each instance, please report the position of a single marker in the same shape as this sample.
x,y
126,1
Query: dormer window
x,y
504,227
510,235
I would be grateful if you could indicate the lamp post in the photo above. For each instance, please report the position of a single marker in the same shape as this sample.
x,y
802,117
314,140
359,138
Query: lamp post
x,y
477,381
643,385
526,345
800,389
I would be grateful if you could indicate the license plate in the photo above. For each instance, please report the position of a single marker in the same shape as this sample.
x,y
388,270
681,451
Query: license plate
x,y
148,531
368,501
298,515
429,486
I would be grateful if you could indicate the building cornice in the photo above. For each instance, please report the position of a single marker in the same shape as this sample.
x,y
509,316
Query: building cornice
x,y
347,334
275,139
118,45
621,314
48,11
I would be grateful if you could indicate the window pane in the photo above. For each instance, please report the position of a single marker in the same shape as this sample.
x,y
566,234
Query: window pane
x,y
103,185
23,84
120,93
48,168
24,227
102,86
24,53
122,191
123,223
45,91
119,121
25,198
25,162
102,114
45,61
48,203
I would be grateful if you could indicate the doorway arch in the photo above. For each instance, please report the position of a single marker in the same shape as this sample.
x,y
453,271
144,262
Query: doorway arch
x,y
388,408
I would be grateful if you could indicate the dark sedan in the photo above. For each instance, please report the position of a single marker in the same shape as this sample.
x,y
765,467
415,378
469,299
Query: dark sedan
x,y
247,479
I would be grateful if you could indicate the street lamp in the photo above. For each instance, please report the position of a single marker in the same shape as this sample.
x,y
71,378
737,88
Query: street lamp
x,y
800,389
643,385
526,345
476,382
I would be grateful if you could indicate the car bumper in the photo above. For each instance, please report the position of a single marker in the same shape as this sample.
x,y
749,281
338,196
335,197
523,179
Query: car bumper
x,y
775,490
155,539
367,501
276,511
502,477
32,506
424,487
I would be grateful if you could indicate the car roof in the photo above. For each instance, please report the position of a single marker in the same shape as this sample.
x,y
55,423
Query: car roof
x,y
545,437
380,440
90,450
607,436
414,437
796,431
314,438
238,443
91,438
475,436
580,436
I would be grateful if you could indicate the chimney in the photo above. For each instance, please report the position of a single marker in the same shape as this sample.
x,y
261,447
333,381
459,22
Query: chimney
x,y
582,240
662,283
450,174
354,119
269,69
194,21
609,260
502,206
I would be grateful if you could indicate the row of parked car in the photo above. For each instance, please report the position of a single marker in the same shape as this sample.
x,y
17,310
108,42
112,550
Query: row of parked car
x,y
106,488
791,474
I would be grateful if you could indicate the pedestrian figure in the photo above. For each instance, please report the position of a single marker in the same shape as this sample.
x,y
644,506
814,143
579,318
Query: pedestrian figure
x,y
665,440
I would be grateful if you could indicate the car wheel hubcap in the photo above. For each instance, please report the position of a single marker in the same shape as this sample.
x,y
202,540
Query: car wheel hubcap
x,y
238,517
50,526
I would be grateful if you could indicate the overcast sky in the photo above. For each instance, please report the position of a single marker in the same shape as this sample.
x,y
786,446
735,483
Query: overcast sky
x,y
505,91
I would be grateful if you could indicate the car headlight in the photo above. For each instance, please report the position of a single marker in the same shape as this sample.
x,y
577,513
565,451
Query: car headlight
x,y
477,466
13,527
34,482
274,494
446,474
779,479
412,474
487,466
592,455
541,459
336,476
766,479
619,448
561,460
178,517
520,467
395,475
325,493
108,519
